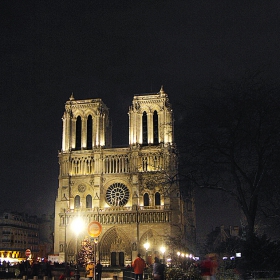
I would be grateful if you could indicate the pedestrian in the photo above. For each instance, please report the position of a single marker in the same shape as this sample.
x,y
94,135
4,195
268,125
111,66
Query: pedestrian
x,y
138,266
206,266
35,269
158,270
214,267
49,269
90,270
67,271
98,270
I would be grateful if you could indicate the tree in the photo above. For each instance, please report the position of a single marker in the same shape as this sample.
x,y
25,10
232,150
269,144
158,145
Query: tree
x,y
86,253
231,144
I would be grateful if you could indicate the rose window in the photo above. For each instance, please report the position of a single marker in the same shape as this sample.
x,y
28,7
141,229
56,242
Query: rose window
x,y
117,194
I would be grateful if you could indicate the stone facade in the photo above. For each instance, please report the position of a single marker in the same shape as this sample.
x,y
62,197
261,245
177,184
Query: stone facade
x,y
18,232
132,192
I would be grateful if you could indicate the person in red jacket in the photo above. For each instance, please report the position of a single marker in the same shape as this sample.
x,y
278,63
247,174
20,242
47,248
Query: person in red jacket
x,y
138,265
206,266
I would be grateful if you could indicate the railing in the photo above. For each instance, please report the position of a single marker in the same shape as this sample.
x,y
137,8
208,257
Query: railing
x,y
124,215
119,208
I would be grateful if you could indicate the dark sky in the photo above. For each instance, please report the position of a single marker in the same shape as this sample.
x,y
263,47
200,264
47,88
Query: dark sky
x,y
113,50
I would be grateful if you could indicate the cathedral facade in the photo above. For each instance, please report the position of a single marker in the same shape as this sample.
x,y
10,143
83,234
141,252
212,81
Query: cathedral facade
x,y
132,192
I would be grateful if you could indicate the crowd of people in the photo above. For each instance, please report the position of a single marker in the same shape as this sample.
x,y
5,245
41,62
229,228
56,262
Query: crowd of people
x,y
208,268
139,266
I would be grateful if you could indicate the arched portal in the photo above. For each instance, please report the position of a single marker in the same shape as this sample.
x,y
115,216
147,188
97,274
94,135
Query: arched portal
x,y
115,248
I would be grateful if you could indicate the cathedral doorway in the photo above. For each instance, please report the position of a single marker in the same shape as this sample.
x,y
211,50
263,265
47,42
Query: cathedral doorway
x,y
115,248
117,259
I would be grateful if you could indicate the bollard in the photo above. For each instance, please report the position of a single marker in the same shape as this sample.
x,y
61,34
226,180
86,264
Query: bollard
x,y
24,277
45,278
35,277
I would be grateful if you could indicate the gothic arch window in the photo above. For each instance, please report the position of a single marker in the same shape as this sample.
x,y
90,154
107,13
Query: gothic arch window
x,y
77,201
145,163
146,200
89,132
145,128
157,198
78,133
155,127
88,201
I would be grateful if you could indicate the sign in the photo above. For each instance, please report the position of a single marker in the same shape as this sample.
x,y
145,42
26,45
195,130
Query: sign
x,y
94,229
27,253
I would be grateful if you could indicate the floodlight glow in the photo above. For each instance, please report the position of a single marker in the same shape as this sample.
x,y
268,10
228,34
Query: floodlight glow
x,y
147,246
77,225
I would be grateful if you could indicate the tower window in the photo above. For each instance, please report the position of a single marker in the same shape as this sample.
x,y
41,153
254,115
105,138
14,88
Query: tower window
x,y
157,198
77,201
78,133
145,128
89,132
89,201
155,127
146,200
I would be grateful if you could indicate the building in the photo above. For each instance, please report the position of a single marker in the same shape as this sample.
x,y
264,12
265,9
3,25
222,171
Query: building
x,y
133,192
46,224
18,232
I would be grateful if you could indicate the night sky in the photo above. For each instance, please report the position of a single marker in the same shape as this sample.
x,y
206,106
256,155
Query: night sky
x,y
113,50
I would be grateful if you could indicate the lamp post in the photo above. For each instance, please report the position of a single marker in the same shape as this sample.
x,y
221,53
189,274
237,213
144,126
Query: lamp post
x,y
95,246
77,227
147,246
162,249
178,260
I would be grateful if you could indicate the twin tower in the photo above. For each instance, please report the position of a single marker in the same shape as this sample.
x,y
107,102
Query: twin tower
x,y
130,192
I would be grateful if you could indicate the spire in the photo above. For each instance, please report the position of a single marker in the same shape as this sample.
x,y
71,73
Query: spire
x,y
72,97
161,90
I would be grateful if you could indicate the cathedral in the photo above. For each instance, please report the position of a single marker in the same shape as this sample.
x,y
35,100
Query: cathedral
x,y
132,193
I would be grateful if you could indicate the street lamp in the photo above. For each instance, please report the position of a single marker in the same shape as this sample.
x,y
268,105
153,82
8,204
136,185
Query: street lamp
x,y
178,260
147,246
95,246
77,227
162,249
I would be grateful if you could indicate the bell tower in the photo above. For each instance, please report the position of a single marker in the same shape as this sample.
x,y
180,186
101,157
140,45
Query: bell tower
x,y
85,125
151,119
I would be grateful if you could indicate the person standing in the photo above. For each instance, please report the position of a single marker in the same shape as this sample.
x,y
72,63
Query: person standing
x,y
90,270
98,270
67,271
206,266
214,267
158,270
138,266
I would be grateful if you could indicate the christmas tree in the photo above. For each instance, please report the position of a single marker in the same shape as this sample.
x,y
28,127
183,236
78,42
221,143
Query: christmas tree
x,y
86,253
